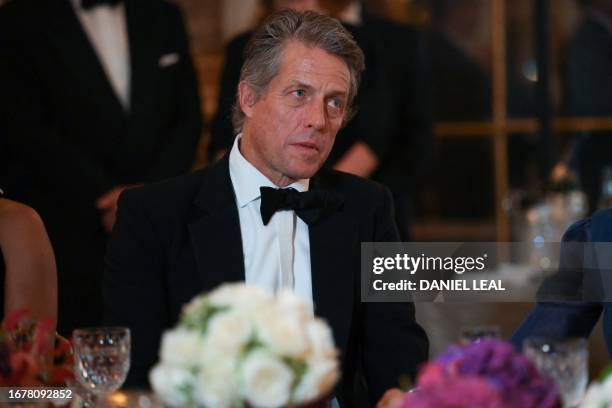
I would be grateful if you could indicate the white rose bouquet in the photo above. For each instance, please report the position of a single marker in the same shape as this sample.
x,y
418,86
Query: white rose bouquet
x,y
240,345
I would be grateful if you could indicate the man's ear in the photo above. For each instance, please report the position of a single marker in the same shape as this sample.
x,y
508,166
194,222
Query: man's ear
x,y
247,98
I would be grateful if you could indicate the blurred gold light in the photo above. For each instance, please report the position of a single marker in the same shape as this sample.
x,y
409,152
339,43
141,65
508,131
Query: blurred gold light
x,y
118,399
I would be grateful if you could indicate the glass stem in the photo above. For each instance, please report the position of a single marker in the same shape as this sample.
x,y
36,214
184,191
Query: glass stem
x,y
90,400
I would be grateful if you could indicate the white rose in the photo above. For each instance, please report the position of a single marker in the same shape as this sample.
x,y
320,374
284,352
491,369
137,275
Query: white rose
x,y
321,338
281,333
318,380
291,304
607,386
217,383
265,380
195,304
239,295
180,346
171,384
598,395
594,397
226,334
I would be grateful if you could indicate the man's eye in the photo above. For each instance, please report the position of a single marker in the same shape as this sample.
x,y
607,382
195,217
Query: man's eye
x,y
300,93
336,104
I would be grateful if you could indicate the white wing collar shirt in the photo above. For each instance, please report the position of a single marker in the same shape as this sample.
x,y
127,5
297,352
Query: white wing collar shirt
x,y
276,255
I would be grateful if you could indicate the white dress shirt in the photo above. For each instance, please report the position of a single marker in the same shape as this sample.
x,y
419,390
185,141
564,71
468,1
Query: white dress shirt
x,y
276,255
106,29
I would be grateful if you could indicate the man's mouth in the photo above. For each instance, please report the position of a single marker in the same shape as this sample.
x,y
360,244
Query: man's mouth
x,y
308,145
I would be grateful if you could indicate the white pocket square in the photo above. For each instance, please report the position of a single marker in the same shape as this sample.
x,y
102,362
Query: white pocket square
x,y
169,59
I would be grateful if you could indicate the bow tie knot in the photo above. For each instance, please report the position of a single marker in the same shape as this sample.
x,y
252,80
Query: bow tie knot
x,y
310,206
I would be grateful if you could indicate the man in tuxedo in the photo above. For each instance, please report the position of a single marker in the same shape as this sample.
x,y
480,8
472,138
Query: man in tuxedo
x,y
268,214
389,139
96,95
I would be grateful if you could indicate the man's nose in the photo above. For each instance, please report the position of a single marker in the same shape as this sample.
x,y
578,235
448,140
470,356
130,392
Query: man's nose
x,y
316,115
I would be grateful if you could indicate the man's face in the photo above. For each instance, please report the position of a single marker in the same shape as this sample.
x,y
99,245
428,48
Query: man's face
x,y
290,130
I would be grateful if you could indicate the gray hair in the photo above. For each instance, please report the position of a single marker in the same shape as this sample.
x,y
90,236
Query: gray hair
x,y
264,51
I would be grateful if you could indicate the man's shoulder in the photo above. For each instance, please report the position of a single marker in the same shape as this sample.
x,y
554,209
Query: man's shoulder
x,y
600,226
596,228
354,188
590,35
241,39
18,7
20,15
236,45
167,195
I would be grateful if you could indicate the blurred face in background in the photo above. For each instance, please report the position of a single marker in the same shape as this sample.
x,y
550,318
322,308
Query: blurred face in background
x,y
329,7
299,5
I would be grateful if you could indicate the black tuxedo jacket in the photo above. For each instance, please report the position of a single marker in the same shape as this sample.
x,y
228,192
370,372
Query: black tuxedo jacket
x,y
67,138
180,237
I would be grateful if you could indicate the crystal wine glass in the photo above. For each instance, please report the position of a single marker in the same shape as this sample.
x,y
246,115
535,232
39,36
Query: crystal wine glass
x,y
565,361
101,360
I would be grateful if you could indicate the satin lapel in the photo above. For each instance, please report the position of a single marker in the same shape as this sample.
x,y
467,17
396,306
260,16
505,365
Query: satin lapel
x,y
73,46
215,230
143,33
334,258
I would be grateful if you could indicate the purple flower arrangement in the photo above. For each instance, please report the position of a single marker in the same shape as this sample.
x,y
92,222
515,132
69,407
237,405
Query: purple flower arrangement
x,y
484,374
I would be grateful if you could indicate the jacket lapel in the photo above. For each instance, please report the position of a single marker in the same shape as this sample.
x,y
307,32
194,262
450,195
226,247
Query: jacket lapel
x,y
214,229
143,33
73,46
334,257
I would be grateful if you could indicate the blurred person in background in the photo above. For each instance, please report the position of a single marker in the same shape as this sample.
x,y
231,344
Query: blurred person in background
x,y
460,47
28,275
390,138
462,91
571,301
27,265
96,96
589,93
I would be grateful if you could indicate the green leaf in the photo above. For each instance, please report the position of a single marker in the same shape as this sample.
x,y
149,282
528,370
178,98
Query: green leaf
x,y
299,369
199,319
605,373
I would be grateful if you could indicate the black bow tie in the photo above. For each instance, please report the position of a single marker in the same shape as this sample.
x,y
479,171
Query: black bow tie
x,y
310,206
89,4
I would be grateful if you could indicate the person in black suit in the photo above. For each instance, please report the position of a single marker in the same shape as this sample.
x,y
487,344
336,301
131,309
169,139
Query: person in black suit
x,y
390,138
571,302
238,219
95,97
